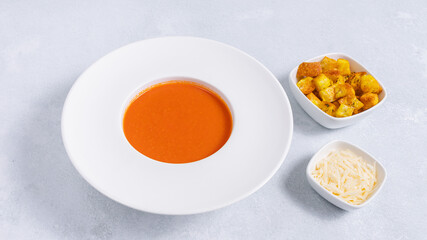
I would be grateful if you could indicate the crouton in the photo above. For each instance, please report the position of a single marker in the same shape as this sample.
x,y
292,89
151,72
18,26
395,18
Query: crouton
x,y
351,101
369,84
354,80
309,69
306,85
342,90
340,80
328,64
344,111
315,100
343,67
369,100
329,108
321,82
328,94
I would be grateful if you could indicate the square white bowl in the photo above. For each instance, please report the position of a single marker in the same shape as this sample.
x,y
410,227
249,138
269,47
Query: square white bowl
x,y
342,145
316,113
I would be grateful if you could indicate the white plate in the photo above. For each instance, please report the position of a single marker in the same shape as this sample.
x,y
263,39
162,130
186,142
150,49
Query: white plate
x,y
93,136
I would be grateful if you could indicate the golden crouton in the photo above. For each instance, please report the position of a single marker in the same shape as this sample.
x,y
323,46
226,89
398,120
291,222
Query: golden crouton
x,y
321,82
306,85
344,111
343,66
340,80
314,99
330,68
328,94
348,100
352,101
354,80
369,100
309,69
333,74
369,84
357,105
328,64
329,108
342,90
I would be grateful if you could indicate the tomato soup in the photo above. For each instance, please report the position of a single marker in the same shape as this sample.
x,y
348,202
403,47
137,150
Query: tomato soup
x,y
177,122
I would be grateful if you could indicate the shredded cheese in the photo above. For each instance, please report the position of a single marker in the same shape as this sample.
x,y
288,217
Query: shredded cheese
x,y
347,176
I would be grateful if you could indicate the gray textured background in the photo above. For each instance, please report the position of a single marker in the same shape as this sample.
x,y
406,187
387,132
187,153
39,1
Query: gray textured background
x,y
45,45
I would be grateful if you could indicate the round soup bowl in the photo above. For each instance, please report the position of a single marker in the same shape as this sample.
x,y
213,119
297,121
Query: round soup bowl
x,y
93,135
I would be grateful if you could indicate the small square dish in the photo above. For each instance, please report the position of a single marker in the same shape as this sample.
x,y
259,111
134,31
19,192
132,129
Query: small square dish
x,y
316,113
339,146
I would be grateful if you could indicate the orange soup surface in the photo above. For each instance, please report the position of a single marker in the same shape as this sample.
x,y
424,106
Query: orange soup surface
x,y
177,122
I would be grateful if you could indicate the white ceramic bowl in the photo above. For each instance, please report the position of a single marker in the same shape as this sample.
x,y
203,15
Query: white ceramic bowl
x,y
316,113
93,135
342,145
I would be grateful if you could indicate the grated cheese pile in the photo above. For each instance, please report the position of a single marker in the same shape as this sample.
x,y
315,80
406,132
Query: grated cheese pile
x,y
347,176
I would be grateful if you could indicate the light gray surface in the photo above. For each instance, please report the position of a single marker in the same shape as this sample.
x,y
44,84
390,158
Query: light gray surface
x,y
45,45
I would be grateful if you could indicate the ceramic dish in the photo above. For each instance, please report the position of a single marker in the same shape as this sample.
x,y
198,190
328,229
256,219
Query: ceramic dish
x,y
342,145
316,113
94,139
